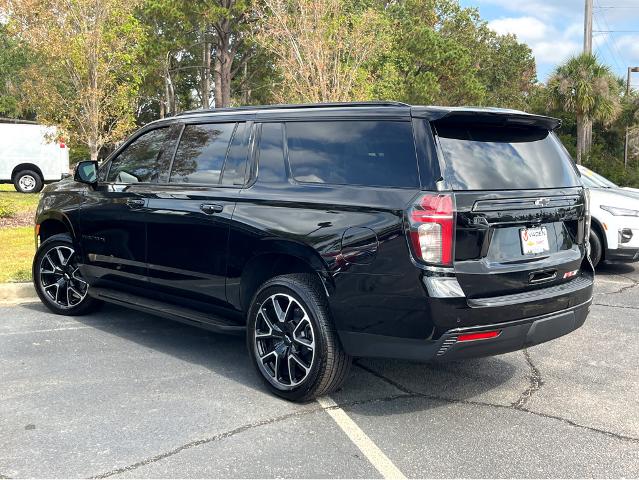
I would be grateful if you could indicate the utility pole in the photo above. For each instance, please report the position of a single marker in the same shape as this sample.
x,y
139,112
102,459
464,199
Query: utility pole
x,y
588,27
625,147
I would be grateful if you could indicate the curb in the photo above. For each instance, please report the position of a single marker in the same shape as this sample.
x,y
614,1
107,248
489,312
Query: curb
x,y
17,292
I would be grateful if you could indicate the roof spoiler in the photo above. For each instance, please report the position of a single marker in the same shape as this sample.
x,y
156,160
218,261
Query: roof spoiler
x,y
488,116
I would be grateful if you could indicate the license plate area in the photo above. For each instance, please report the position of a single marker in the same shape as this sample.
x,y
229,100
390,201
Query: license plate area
x,y
534,241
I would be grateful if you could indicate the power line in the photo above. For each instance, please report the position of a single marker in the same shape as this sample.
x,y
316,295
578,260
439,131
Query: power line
x,y
616,31
610,40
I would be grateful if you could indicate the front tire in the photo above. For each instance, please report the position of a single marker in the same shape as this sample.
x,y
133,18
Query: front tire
x,y
57,279
596,248
28,181
292,340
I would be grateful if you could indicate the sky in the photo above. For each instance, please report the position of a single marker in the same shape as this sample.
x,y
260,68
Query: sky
x,y
554,30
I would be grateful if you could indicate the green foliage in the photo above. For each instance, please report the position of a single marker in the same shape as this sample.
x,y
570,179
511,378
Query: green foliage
x,y
14,58
586,87
445,54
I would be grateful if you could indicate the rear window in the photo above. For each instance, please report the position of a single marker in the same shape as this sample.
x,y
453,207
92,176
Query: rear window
x,y
481,157
370,153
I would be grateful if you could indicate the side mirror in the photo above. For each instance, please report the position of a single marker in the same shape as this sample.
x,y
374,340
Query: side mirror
x,y
86,172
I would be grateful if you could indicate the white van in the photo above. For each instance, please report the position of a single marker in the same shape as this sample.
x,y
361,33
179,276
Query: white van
x,y
30,155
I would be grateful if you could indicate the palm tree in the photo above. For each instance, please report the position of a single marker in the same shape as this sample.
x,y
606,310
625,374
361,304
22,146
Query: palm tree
x,y
588,89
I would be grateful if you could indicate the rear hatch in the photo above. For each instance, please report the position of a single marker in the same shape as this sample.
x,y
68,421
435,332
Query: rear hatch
x,y
520,207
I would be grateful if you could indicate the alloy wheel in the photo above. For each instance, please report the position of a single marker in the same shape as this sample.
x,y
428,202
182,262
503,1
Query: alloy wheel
x,y
60,277
284,341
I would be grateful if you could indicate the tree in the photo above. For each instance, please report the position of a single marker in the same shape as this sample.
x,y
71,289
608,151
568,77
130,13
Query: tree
x,y
14,58
587,89
230,20
445,54
167,29
322,48
86,79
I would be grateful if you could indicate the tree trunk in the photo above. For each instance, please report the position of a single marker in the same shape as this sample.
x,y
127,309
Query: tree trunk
x,y
218,80
93,149
580,137
227,63
206,71
587,137
223,63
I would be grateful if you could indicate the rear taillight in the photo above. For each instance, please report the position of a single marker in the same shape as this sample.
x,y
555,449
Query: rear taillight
x,y
432,228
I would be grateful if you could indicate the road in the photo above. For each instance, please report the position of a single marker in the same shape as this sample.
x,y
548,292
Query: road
x,y
124,394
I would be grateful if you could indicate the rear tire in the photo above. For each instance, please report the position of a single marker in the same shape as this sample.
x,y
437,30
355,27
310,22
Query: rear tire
x,y
596,248
28,181
292,340
57,280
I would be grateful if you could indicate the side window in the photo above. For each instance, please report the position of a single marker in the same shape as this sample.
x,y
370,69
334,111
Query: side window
x,y
371,153
271,157
201,153
235,165
139,161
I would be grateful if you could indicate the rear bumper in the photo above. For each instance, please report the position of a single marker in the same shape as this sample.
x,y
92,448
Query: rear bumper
x,y
513,335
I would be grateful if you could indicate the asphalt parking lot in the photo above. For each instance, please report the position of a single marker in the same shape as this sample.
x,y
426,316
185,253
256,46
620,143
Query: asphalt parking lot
x,y
123,394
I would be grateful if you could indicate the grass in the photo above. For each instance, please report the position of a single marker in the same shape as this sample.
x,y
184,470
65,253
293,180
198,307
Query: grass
x,y
19,201
16,243
18,249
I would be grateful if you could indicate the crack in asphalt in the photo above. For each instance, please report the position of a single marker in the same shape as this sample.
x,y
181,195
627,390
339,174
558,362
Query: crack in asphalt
x,y
635,283
235,431
615,306
413,394
535,384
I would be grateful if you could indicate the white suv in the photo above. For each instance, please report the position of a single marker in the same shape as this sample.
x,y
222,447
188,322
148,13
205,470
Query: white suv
x,y
615,219
30,155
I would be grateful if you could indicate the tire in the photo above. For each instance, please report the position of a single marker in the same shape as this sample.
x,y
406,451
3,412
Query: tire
x,y
28,181
301,337
57,280
596,248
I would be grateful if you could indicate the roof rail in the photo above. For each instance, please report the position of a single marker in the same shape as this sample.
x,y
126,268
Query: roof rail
x,y
291,106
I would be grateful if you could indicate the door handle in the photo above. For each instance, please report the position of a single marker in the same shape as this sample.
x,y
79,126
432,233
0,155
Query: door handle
x,y
135,203
211,208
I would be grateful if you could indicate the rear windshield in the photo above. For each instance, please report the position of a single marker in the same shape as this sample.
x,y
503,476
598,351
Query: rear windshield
x,y
482,157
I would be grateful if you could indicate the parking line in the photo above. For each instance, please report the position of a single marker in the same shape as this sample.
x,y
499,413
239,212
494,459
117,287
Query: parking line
x,y
362,441
26,332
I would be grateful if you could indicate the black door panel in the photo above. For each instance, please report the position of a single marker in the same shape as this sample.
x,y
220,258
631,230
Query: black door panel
x,y
187,244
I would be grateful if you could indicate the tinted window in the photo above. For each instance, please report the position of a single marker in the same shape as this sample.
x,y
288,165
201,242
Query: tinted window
x,y
373,153
500,157
235,165
271,160
140,160
201,153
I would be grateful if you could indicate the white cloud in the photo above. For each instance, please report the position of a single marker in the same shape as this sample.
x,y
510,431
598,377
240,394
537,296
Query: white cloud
x,y
629,47
549,44
539,8
555,52
526,28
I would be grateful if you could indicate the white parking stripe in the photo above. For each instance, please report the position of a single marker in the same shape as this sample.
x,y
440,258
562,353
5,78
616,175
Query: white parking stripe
x,y
25,332
371,451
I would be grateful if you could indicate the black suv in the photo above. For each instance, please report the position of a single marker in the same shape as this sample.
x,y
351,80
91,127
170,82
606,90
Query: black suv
x,y
331,231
